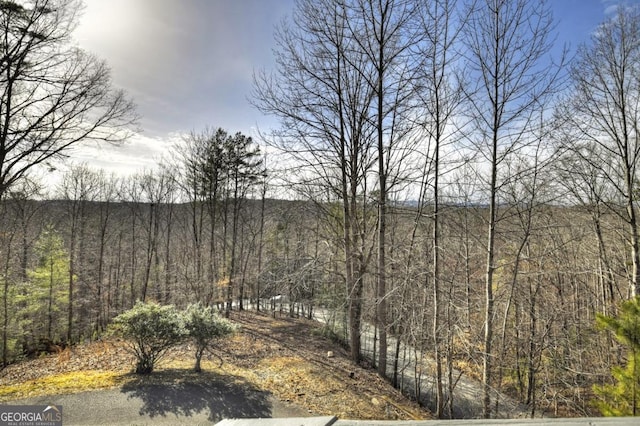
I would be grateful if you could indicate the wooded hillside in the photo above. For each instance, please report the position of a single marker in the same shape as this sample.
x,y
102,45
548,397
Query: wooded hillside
x,y
70,265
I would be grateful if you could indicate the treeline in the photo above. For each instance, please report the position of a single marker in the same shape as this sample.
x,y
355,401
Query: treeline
x,y
72,264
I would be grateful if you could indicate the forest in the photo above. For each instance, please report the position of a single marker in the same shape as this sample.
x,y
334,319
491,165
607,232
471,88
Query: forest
x,y
438,172
72,263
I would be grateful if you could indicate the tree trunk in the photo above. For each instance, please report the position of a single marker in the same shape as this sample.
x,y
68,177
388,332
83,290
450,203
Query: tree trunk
x,y
71,284
487,367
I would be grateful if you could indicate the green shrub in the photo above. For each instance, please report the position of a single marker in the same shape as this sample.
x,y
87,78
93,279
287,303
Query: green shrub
x,y
150,330
204,326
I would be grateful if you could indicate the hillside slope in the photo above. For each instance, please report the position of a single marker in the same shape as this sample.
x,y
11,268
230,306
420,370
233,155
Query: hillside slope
x,y
285,357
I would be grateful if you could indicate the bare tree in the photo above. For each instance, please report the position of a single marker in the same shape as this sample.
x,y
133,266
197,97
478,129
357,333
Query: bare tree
x,y
191,152
603,111
107,191
321,93
52,95
385,32
441,98
171,206
155,188
585,183
79,187
506,44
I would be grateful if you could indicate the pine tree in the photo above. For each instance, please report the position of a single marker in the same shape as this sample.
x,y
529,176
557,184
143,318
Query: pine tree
x,y
45,296
622,398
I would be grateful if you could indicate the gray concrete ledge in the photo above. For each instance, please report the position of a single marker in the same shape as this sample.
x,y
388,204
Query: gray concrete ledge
x,y
586,421
328,421
293,421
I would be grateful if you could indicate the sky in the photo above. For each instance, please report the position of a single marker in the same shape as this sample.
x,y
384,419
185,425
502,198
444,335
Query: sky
x,y
188,64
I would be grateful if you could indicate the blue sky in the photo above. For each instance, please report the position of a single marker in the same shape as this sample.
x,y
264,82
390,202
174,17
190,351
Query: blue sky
x,y
577,19
189,63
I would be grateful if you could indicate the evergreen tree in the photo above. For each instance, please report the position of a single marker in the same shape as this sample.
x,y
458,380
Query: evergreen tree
x,y
622,397
45,297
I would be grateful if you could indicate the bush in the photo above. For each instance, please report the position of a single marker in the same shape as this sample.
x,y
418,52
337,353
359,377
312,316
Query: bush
x,y
204,326
151,330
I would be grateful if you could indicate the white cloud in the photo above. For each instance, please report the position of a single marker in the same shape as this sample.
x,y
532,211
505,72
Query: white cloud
x,y
188,64
135,155
140,153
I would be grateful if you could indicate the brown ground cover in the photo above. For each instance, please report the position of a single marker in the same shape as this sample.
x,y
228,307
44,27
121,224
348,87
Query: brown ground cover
x,y
284,356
